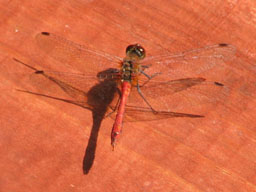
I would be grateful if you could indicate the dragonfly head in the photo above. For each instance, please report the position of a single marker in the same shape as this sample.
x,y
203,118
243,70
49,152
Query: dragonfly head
x,y
135,51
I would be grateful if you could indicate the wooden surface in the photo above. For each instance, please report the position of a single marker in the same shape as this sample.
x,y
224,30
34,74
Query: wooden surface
x,y
43,141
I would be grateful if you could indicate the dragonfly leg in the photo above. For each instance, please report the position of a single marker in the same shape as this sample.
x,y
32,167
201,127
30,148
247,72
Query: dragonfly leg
x,y
149,77
116,105
138,88
113,110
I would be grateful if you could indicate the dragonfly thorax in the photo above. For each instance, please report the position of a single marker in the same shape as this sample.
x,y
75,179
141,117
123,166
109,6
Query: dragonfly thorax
x,y
129,70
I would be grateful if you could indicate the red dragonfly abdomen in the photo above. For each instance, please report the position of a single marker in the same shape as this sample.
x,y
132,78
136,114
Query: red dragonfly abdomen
x,y
117,127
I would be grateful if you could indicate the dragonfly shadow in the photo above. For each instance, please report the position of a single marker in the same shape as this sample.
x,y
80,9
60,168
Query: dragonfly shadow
x,y
99,97
97,100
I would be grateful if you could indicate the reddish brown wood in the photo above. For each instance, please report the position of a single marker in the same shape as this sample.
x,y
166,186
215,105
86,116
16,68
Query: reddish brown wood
x,y
43,141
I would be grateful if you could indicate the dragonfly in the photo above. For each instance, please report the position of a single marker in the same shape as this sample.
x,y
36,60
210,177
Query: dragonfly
x,y
144,85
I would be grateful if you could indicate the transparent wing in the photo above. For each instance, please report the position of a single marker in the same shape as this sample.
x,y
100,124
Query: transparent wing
x,y
134,114
188,63
156,88
81,89
190,97
78,56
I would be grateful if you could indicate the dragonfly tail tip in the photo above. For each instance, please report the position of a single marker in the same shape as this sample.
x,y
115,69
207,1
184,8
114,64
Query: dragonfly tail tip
x,y
113,146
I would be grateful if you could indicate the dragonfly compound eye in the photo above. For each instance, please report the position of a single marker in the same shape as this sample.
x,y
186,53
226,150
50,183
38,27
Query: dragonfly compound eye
x,y
136,50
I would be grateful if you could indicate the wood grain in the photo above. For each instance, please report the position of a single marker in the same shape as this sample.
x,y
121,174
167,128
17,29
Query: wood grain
x,y
43,141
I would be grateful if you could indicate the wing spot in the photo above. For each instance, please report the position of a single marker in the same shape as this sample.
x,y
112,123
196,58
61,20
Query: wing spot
x,y
45,33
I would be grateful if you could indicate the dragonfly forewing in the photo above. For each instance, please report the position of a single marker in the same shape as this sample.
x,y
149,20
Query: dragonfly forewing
x,y
83,58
